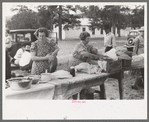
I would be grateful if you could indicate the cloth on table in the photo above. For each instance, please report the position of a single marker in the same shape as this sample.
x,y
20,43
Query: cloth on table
x,y
112,54
138,59
61,74
88,68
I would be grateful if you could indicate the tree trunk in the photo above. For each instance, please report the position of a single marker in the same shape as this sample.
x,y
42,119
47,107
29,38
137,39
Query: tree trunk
x,y
118,30
114,28
51,25
60,22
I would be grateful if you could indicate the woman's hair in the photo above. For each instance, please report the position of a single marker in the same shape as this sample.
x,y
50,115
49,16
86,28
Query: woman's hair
x,y
84,35
8,30
42,29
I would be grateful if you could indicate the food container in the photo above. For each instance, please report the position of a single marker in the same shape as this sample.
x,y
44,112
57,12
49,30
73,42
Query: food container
x,y
20,83
127,63
72,71
35,78
46,77
109,65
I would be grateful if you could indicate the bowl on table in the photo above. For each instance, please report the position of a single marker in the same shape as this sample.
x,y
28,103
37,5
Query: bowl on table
x,y
46,77
19,83
35,78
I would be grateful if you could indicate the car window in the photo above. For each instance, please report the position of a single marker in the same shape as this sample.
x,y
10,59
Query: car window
x,y
136,33
21,37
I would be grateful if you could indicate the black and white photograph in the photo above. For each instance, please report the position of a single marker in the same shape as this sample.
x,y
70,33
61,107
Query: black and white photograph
x,y
71,60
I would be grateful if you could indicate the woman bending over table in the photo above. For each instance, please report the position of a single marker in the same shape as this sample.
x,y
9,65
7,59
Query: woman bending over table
x,y
43,53
84,52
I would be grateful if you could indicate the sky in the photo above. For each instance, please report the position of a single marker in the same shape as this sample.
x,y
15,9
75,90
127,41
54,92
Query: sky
x,y
7,6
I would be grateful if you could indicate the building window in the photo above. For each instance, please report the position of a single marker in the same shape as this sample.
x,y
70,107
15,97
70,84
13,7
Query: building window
x,y
93,32
83,29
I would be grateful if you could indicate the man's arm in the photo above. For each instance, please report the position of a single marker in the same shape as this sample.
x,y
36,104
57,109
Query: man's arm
x,y
89,55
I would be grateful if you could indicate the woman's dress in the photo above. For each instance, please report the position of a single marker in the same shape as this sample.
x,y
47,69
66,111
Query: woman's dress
x,y
41,49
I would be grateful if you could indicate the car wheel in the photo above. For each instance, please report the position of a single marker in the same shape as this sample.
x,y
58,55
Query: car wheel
x,y
130,41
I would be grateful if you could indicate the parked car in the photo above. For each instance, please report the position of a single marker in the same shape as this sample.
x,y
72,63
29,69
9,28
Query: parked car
x,y
130,38
27,36
132,34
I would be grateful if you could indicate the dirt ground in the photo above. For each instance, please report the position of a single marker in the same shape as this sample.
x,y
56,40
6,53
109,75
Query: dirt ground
x,y
111,85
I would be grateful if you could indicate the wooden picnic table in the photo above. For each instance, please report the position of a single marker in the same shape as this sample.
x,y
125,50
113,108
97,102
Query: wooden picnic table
x,y
64,88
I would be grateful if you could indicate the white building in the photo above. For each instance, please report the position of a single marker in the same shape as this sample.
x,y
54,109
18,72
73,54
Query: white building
x,y
75,32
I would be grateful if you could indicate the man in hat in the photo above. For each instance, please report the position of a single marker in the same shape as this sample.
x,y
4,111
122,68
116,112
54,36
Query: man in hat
x,y
109,39
139,43
139,49
25,62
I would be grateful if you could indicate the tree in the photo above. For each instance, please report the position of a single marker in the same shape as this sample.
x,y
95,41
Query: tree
x,y
110,14
115,16
138,17
47,14
123,19
94,14
68,20
98,17
21,8
24,20
58,16
60,22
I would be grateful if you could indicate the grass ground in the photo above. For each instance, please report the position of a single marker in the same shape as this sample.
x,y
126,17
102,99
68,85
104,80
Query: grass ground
x,y
111,85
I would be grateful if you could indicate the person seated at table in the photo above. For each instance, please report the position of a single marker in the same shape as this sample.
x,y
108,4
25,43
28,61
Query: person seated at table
x,y
18,54
84,52
25,62
43,53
